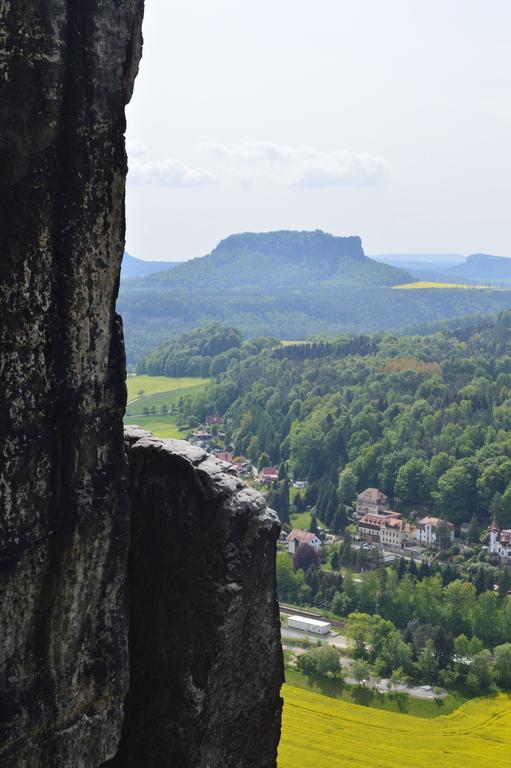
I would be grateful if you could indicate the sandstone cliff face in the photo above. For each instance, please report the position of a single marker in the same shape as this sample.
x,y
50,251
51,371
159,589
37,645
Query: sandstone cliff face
x,y
66,71
205,654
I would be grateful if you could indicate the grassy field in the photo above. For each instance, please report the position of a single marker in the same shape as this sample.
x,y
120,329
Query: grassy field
x,y
159,391
301,520
152,385
425,284
320,732
366,697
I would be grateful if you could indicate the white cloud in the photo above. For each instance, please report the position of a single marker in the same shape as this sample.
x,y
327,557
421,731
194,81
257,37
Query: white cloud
x,y
258,162
168,172
298,165
136,148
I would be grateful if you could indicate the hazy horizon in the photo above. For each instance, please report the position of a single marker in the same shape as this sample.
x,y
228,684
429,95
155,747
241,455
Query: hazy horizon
x,y
383,120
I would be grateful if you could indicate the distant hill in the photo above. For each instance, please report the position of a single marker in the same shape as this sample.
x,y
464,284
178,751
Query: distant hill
x,y
421,261
284,260
482,267
133,267
288,285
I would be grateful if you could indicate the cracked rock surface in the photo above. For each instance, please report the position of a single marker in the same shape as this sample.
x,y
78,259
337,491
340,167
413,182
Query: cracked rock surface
x,y
176,588
205,655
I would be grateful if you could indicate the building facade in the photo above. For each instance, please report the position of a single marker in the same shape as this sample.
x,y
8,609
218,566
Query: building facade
x,y
372,501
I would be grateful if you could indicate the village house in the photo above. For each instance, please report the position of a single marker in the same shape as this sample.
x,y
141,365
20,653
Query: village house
x,y
427,530
370,525
268,475
202,435
225,456
395,533
500,544
297,537
372,501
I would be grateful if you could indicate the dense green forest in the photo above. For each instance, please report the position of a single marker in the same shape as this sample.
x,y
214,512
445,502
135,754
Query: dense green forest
x,y
425,418
204,352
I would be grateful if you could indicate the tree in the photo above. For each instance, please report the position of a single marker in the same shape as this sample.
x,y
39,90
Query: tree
x,y
313,527
360,629
299,503
398,677
456,493
443,536
335,560
339,520
327,660
141,393
394,654
304,557
264,461
427,663
288,582
502,665
306,663
412,482
347,488
504,581
360,671
499,511
473,530
480,676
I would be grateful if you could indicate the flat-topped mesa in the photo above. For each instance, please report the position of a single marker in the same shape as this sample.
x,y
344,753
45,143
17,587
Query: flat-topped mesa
x,y
205,654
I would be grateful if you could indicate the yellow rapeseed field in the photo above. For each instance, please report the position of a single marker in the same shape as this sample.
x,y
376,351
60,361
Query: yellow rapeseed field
x,y
429,284
320,732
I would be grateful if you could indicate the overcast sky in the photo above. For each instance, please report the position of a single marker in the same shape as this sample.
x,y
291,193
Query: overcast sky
x,y
390,119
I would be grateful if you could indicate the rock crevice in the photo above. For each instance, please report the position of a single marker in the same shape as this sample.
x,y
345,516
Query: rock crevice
x,y
67,69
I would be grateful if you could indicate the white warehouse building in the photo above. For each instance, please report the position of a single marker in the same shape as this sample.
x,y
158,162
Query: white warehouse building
x,y
309,625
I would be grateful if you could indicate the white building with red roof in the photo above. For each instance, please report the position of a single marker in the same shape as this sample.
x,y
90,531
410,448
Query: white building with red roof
x,y
297,537
500,543
268,474
427,530
370,525
395,533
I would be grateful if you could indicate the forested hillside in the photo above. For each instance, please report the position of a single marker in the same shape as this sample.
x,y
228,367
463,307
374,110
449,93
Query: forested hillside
x,y
205,352
427,419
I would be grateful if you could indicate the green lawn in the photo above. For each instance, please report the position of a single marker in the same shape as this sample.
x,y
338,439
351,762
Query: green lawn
x,y
161,426
301,520
366,697
151,385
159,391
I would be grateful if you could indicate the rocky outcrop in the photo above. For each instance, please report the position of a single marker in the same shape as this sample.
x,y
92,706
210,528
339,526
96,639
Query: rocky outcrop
x,y
66,71
205,654
206,634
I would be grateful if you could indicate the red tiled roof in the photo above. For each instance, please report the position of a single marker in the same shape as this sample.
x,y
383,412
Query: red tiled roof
x,y
224,456
269,472
304,537
372,495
